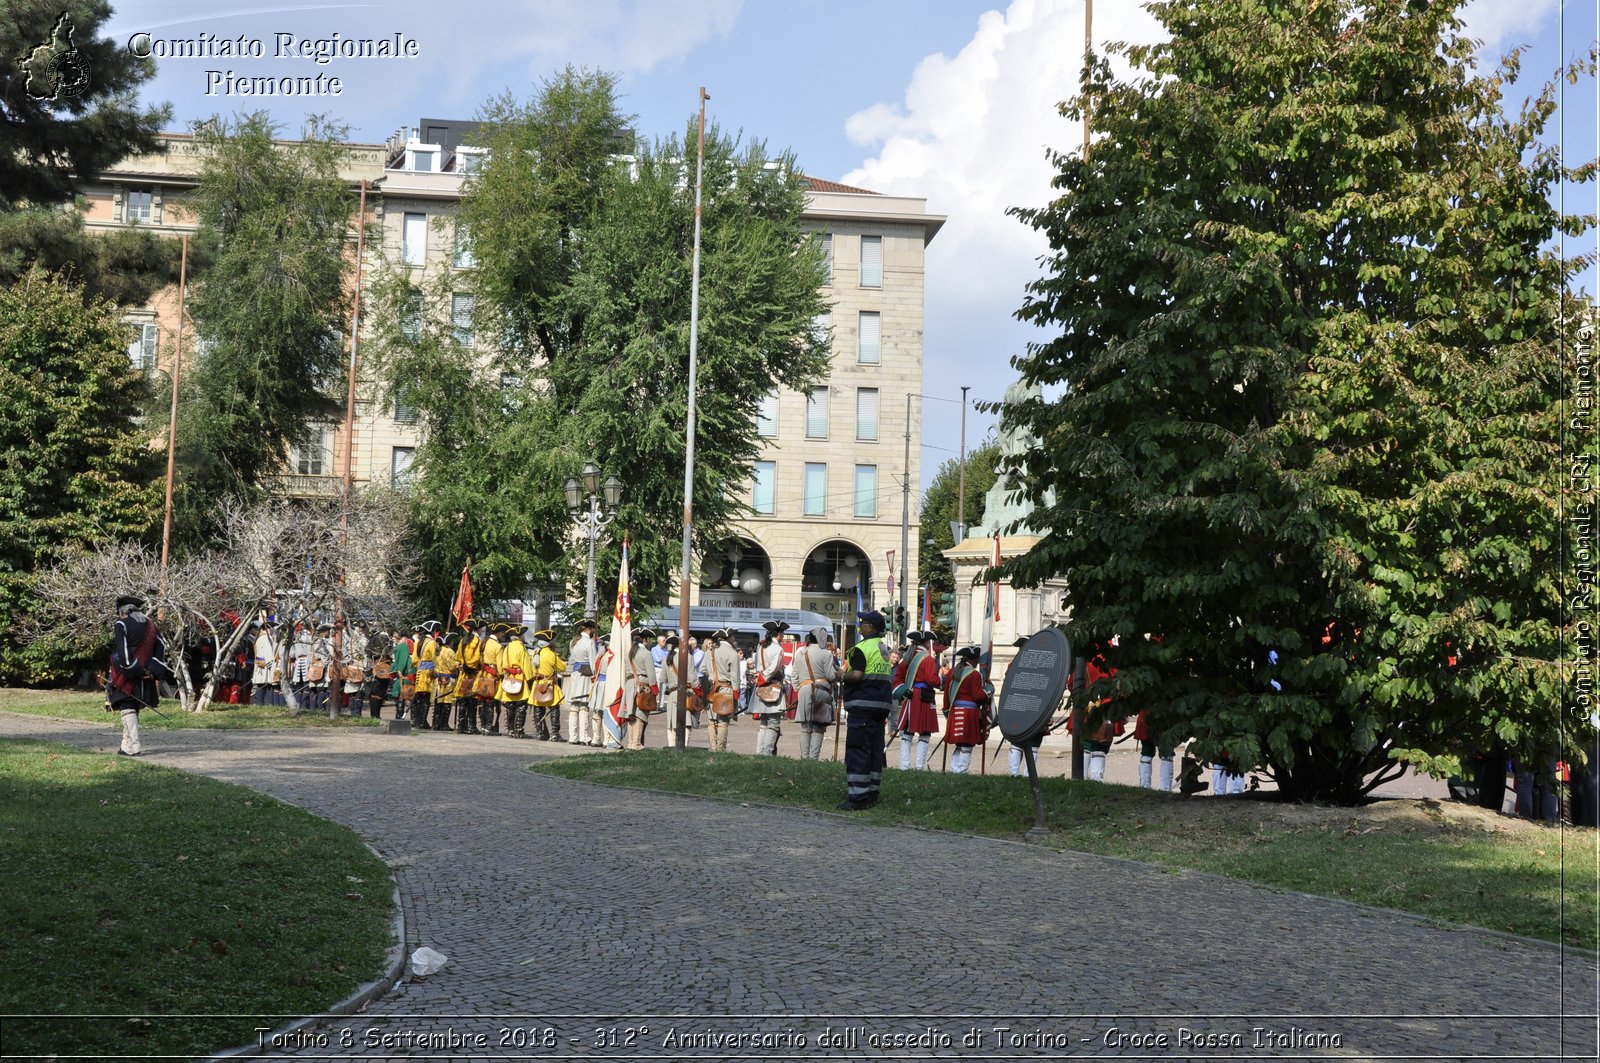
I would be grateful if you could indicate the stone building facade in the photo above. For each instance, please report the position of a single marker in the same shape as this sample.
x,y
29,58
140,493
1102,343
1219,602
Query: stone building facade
x,y
827,488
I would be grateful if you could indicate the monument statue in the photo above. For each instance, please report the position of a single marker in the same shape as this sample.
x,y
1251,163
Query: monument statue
x,y
1004,508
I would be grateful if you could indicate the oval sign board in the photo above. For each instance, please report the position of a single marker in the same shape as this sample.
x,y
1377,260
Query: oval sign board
x,y
1033,686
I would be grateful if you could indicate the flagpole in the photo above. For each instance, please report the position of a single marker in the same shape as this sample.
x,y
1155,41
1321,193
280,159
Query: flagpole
x,y
172,421
680,711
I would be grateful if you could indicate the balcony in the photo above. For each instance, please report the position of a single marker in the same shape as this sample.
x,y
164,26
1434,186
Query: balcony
x,y
295,485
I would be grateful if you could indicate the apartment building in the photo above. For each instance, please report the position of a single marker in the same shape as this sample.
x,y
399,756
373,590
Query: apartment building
x,y
827,488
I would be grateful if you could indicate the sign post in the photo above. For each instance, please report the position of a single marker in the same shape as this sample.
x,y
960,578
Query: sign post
x,y
1033,687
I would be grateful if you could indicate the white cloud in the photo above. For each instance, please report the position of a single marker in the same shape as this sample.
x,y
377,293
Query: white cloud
x,y
1503,24
971,136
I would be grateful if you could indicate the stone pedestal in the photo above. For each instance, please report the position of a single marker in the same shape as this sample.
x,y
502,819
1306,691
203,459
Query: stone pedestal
x,y
1022,610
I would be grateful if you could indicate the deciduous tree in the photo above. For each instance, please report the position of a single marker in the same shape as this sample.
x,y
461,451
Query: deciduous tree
x,y
1310,340
583,242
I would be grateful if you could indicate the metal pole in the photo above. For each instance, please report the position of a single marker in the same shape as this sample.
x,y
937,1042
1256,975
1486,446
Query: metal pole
x,y
592,526
172,419
1088,46
905,515
961,517
680,711
335,690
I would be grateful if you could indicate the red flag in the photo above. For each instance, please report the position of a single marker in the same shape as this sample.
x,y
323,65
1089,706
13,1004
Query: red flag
x,y
461,608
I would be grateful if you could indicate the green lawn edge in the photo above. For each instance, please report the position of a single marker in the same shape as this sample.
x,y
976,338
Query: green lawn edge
x,y
131,894
169,715
1507,877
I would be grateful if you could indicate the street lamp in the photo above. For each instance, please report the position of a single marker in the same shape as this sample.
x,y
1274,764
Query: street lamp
x,y
592,520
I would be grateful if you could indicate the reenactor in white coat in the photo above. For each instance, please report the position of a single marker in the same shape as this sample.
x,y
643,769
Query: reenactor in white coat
x,y
815,674
578,683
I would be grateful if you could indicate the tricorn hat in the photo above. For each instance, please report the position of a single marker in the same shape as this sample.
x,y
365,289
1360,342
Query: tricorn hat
x,y
1022,640
672,640
643,633
588,624
722,634
971,653
776,626
129,601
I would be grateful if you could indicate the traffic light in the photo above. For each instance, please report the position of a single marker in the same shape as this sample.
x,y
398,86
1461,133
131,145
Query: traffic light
x,y
900,617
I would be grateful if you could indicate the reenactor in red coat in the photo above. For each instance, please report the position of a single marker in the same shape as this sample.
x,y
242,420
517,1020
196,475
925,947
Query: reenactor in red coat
x,y
966,702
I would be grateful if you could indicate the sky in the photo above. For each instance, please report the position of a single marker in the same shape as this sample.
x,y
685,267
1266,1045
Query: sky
x,y
953,101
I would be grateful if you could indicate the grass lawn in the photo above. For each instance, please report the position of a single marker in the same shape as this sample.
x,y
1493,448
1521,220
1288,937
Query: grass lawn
x,y
81,705
1438,859
138,892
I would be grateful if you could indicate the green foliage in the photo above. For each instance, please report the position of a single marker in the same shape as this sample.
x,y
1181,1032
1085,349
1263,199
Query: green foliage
x,y
51,143
1311,390
939,508
269,312
583,285
75,463
126,266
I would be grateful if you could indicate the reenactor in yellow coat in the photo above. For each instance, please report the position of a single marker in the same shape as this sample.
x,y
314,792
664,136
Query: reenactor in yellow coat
x,y
489,707
427,653
471,658
546,695
445,674
516,675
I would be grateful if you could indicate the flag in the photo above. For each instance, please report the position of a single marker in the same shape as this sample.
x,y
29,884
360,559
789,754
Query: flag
x,y
617,653
461,605
991,613
927,608
859,607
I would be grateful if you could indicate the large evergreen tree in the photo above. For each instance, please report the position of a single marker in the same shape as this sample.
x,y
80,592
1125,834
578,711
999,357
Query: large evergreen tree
x,y
55,130
1310,347
77,466
583,244
270,310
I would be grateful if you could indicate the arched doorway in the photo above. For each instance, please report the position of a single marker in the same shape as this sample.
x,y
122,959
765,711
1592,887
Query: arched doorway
x,y
736,576
833,572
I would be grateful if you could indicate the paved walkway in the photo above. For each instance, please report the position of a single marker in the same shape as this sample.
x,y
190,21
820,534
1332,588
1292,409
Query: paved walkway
x,y
687,922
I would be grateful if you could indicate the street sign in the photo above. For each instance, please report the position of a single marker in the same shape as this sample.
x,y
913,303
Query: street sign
x,y
1033,686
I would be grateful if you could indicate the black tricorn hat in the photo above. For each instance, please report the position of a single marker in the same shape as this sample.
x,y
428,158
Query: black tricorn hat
x,y
969,652
643,633
722,634
129,599
776,626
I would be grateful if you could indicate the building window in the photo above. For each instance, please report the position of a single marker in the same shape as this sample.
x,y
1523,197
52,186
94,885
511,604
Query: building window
x,y
468,160
461,319
767,417
411,315
141,204
400,466
817,413
314,457
424,160
872,262
869,345
764,497
826,240
866,490
816,489
142,350
867,414
404,414
414,239
464,258
822,329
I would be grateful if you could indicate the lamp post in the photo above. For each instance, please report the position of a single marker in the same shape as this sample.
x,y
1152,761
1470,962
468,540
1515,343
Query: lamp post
x,y
592,520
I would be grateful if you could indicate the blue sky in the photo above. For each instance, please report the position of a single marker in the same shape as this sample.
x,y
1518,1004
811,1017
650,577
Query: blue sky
x,y
952,100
